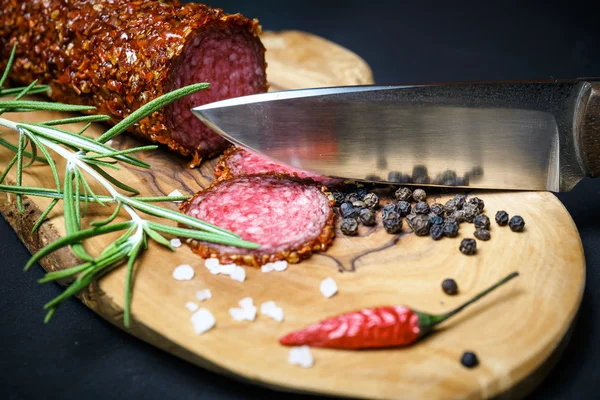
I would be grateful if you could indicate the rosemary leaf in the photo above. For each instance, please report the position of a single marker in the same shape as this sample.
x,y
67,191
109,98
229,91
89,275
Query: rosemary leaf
x,y
33,153
114,181
9,64
19,179
86,126
70,214
149,108
13,91
108,164
74,238
42,217
109,219
176,216
120,152
155,199
48,157
65,273
199,235
129,283
7,170
33,105
14,148
157,237
49,315
85,118
25,90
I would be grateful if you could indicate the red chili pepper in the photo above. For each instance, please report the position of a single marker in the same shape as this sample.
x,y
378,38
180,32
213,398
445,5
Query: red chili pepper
x,y
375,327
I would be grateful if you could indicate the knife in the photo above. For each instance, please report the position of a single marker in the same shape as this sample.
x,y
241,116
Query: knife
x,y
536,135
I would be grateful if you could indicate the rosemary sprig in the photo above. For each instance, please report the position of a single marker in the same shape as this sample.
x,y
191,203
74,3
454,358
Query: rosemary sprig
x,y
87,158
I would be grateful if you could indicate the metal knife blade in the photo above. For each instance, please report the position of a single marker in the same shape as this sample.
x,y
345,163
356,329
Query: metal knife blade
x,y
503,135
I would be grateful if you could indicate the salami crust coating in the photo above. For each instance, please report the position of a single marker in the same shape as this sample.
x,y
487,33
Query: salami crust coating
x,y
118,55
289,217
237,161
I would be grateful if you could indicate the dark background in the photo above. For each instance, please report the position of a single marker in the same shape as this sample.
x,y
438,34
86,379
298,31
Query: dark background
x,y
78,355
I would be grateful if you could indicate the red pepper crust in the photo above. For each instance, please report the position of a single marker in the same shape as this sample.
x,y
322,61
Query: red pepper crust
x,y
236,161
256,258
113,54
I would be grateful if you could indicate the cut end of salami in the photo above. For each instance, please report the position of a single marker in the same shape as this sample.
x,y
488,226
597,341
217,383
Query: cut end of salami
x,y
118,55
231,60
290,218
237,161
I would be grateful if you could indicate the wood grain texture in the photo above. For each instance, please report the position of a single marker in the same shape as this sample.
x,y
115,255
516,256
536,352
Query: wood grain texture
x,y
515,331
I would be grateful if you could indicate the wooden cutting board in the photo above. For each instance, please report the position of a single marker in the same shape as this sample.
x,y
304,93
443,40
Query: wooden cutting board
x,y
517,331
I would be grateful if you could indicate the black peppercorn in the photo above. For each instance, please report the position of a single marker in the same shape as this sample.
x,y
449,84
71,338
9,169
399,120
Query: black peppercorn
x,y
419,223
361,192
450,229
468,246
460,200
437,209
371,200
450,207
351,197
392,222
478,202
367,217
469,359
457,216
482,234
448,178
502,218
349,226
436,220
359,204
388,208
482,221
419,195
404,194
436,231
421,208
449,286
348,210
470,211
516,224
339,198
404,208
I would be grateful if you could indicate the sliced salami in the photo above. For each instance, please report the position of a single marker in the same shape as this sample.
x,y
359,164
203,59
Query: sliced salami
x,y
289,217
237,161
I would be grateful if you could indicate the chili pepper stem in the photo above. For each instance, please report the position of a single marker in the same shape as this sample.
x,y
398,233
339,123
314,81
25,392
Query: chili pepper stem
x,y
427,321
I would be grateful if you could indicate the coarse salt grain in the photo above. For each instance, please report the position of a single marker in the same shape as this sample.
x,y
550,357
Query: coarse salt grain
x,y
238,274
274,266
246,311
301,356
328,287
211,263
183,272
203,294
175,242
190,305
109,143
202,320
176,193
270,309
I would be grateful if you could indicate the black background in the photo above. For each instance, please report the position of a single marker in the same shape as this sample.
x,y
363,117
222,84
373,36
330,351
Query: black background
x,y
78,355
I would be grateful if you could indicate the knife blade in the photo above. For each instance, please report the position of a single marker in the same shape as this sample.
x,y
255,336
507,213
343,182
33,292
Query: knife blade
x,y
542,135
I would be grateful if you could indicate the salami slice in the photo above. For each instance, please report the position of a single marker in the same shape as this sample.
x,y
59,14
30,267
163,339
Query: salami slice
x,y
237,161
117,55
287,216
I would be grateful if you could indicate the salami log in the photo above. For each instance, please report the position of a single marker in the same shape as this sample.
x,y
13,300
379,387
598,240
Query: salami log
x,y
237,161
119,54
289,217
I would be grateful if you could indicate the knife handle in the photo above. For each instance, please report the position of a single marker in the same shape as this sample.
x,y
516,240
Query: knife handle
x,y
587,128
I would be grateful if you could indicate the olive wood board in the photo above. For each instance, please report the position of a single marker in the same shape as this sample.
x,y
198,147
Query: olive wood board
x,y
516,331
